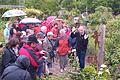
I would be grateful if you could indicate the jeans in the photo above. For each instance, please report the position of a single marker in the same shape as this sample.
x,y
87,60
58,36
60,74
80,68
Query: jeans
x,y
81,57
40,71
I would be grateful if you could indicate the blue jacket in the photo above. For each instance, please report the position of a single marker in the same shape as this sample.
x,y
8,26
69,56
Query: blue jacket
x,y
7,32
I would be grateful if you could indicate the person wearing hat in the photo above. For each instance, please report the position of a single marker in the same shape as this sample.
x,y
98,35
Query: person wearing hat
x,y
29,51
17,71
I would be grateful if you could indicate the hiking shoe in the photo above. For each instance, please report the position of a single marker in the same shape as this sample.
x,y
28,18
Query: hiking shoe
x,y
50,73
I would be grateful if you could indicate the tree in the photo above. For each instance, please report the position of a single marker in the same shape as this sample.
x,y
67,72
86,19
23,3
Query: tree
x,y
47,6
51,6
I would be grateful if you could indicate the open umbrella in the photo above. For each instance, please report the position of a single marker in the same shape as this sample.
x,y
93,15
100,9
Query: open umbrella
x,y
13,13
50,19
59,19
30,20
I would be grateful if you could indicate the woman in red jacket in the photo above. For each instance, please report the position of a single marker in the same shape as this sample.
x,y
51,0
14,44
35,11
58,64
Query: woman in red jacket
x,y
63,48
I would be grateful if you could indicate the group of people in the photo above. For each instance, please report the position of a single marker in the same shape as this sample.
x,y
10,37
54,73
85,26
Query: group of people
x,y
31,50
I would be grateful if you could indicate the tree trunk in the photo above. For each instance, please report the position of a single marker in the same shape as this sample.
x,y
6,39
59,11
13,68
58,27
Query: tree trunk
x,y
102,29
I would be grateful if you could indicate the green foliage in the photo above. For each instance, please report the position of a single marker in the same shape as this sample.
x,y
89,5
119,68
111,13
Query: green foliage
x,y
112,43
50,6
2,24
73,62
46,6
75,12
91,46
104,73
89,73
102,14
2,10
33,12
9,2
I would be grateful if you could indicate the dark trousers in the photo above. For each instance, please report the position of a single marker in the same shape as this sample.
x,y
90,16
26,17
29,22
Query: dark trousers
x,y
40,71
81,57
32,72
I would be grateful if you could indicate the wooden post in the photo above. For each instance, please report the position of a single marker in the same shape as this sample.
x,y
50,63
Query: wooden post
x,y
102,29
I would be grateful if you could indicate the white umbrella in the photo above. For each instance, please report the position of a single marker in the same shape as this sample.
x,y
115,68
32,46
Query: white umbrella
x,y
13,13
30,20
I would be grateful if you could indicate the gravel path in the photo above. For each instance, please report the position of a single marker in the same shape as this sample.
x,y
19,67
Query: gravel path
x,y
56,69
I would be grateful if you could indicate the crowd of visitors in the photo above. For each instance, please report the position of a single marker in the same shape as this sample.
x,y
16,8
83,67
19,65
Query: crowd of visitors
x,y
31,49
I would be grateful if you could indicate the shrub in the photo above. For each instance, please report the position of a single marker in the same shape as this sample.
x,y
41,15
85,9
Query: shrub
x,y
104,73
112,44
2,10
88,73
102,14
33,12
91,46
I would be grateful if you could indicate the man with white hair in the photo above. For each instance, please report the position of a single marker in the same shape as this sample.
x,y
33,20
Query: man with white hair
x,y
81,44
